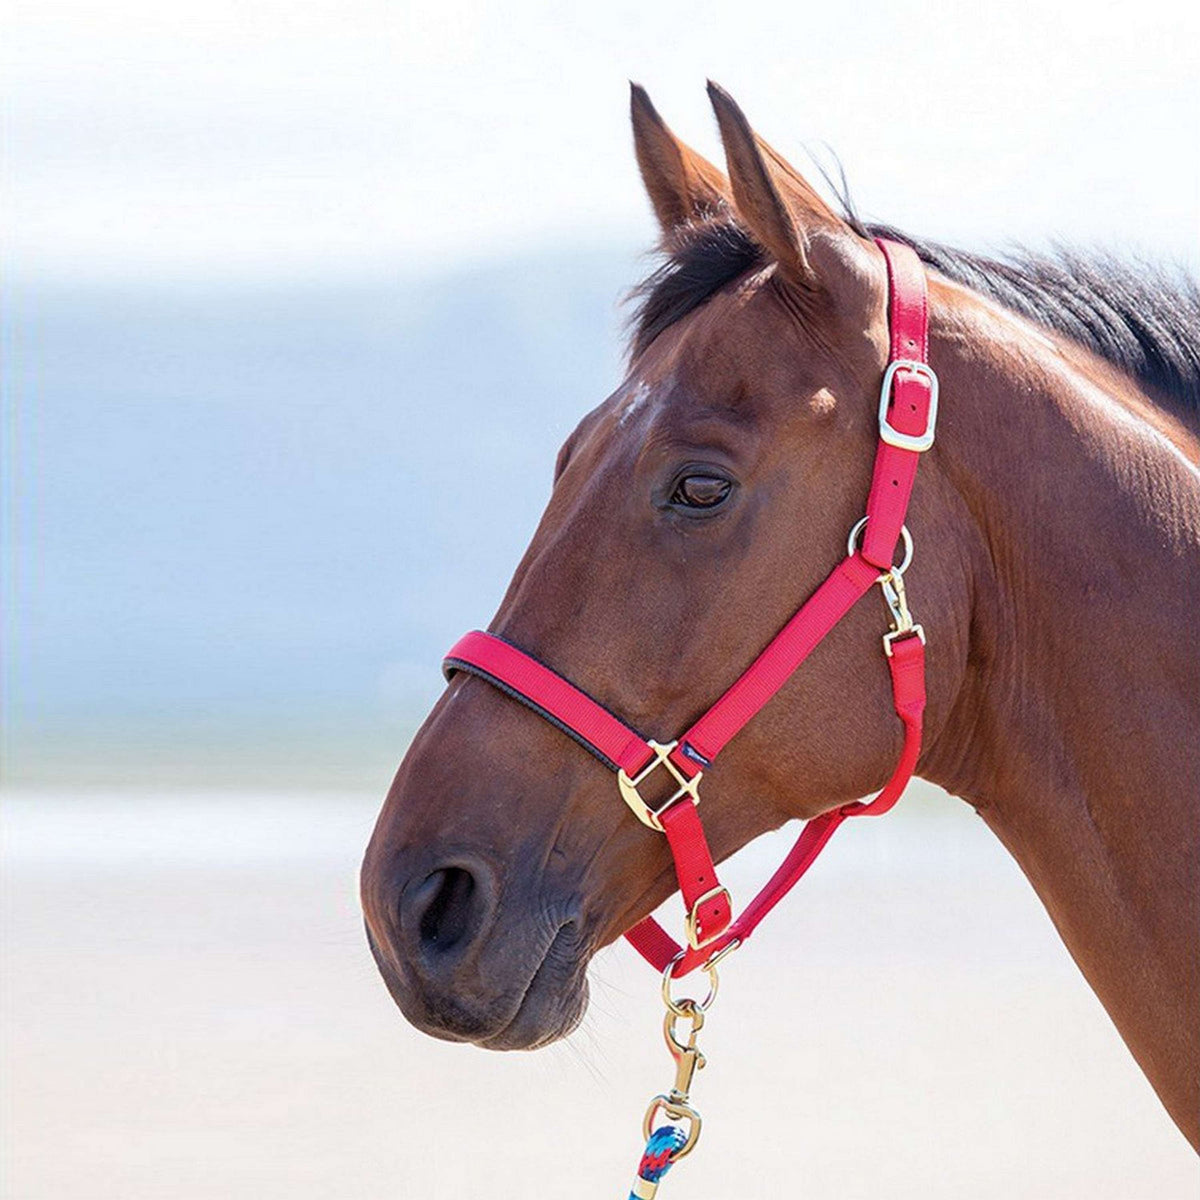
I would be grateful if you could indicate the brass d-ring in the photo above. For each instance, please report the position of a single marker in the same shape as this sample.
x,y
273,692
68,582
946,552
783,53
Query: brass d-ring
x,y
905,537
679,1007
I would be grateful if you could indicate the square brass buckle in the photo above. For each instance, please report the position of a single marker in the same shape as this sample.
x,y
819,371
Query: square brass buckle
x,y
629,787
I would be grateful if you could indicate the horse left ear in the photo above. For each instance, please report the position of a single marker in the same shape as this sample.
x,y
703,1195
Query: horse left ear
x,y
780,208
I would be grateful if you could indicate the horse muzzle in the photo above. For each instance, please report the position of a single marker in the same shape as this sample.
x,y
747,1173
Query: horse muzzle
x,y
467,962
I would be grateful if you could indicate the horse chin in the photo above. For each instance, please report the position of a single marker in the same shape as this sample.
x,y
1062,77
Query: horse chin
x,y
547,1013
548,1007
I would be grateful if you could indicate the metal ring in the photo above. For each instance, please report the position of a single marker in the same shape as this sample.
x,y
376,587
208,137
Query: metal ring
x,y
725,950
905,537
677,1006
676,1112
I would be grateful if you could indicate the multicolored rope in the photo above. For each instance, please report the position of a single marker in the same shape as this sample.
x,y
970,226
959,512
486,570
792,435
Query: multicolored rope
x,y
662,1149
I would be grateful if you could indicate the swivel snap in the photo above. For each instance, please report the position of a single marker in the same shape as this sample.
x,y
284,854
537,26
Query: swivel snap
x,y
891,583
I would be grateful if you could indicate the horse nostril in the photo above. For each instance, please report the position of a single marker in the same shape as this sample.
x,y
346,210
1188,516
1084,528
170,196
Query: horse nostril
x,y
446,905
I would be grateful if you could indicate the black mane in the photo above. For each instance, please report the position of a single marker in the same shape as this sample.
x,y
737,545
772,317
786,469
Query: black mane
x,y
1140,318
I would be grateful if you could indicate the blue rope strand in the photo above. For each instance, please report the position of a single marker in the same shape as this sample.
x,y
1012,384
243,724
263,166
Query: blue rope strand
x,y
659,1156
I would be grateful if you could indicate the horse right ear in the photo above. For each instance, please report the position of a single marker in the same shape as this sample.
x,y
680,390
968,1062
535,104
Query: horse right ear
x,y
683,185
777,204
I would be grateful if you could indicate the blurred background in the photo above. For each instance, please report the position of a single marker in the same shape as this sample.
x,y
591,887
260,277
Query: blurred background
x,y
299,302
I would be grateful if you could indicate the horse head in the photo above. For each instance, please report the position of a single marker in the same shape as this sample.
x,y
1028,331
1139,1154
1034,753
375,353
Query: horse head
x,y
692,512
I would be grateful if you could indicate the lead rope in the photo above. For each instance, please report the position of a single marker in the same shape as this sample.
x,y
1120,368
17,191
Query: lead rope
x,y
667,1143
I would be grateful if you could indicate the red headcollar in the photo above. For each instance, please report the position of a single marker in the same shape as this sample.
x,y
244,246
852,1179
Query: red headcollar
x,y
907,417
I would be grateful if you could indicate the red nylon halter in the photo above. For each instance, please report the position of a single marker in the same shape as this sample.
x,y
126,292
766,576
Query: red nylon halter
x,y
907,417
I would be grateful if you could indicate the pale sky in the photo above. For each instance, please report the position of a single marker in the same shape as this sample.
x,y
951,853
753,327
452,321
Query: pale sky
x,y
234,137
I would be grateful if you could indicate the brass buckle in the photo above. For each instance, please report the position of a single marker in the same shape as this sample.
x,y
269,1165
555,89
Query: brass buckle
x,y
629,787
691,922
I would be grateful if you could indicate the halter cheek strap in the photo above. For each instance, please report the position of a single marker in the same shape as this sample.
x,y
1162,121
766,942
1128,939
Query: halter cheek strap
x,y
907,417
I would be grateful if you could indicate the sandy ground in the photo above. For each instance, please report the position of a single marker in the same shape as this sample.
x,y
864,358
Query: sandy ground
x,y
190,1011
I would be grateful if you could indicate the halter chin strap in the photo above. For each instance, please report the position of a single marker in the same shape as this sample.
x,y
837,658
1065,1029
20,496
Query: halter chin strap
x,y
907,417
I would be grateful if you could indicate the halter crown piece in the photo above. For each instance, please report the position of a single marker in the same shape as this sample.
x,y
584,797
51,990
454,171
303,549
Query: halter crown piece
x,y
908,405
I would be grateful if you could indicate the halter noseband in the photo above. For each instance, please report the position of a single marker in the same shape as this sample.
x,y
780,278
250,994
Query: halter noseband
x,y
907,418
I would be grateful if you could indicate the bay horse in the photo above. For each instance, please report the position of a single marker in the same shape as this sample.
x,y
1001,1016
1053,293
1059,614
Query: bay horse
x,y
1057,525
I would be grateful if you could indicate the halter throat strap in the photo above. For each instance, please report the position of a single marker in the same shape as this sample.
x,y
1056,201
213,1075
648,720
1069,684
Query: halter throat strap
x,y
907,418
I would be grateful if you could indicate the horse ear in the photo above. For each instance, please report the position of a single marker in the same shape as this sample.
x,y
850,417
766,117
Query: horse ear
x,y
778,205
683,185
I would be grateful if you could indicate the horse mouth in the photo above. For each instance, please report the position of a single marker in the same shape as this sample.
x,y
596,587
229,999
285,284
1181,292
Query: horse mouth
x,y
553,1003
548,1007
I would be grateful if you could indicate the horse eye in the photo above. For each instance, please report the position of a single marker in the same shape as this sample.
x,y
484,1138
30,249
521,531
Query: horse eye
x,y
701,491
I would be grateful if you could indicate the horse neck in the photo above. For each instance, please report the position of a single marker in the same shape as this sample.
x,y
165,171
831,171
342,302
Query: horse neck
x,y
1073,732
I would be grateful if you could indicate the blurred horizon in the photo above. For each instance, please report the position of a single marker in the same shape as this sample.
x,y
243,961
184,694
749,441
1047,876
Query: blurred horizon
x,y
298,307
242,528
